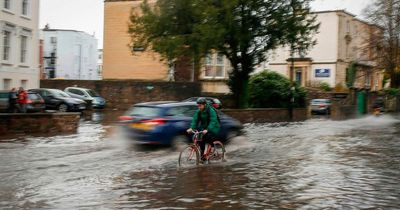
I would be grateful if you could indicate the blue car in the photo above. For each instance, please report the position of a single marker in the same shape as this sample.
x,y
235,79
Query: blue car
x,y
165,123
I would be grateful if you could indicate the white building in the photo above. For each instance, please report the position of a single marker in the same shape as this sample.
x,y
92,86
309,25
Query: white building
x,y
341,40
70,54
19,44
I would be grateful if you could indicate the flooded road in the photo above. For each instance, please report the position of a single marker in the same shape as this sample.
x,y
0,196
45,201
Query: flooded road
x,y
353,164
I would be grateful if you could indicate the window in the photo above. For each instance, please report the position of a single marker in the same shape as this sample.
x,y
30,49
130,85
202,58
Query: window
x,y
214,65
25,6
53,40
220,69
7,4
23,49
6,84
208,65
24,83
6,45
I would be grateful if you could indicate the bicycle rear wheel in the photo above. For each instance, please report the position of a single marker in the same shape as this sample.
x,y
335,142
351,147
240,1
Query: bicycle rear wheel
x,y
189,156
219,152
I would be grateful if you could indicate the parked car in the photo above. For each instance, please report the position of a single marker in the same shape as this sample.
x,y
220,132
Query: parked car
x,y
59,100
87,94
166,123
321,106
35,102
4,100
213,101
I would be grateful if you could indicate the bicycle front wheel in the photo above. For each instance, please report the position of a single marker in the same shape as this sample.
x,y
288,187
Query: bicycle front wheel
x,y
189,156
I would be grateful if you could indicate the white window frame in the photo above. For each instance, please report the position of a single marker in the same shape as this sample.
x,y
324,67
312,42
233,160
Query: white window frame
x,y
23,53
28,10
7,83
8,46
208,63
214,61
220,62
24,83
10,6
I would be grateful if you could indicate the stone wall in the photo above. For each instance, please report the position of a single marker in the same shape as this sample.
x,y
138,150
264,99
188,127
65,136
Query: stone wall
x,y
266,115
38,123
121,94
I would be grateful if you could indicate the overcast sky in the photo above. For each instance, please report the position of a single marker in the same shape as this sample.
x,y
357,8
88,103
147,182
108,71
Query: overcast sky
x,y
87,15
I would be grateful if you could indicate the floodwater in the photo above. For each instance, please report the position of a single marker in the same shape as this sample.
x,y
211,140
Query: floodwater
x,y
317,164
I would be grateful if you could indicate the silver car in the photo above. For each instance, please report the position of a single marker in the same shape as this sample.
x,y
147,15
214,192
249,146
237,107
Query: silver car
x,y
320,106
87,94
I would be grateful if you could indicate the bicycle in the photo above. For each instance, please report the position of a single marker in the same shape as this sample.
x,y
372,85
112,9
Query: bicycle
x,y
190,155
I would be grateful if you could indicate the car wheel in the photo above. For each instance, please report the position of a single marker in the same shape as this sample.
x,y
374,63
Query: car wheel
x,y
62,107
179,142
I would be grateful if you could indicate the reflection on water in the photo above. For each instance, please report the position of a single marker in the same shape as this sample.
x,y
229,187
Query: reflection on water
x,y
352,164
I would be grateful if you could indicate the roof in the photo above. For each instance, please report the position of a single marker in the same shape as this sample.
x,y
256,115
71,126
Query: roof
x,y
347,13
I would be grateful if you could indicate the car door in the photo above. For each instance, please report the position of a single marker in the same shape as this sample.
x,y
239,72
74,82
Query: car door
x,y
50,99
180,117
4,101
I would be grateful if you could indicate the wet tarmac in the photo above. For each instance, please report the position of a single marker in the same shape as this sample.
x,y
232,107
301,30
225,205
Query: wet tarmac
x,y
316,164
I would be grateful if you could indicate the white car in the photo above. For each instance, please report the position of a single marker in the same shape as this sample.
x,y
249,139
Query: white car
x,y
322,106
86,94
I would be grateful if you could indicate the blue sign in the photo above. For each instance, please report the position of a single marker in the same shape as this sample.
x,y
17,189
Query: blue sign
x,y
322,72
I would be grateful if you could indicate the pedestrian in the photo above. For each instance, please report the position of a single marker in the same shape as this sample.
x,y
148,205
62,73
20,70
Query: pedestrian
x,y
22,100
12,100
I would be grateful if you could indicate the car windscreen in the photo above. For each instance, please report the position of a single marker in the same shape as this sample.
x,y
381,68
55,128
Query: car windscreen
x,y
92,93
59,93
320,101
144,111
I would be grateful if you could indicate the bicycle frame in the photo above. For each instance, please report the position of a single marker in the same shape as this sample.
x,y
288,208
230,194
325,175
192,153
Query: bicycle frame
x,y
207,152
194,150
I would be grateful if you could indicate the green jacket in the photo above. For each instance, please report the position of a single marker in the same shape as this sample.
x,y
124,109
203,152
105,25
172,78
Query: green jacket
x,y
212,127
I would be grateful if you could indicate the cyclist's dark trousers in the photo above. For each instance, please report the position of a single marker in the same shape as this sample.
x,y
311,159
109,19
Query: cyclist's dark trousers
x,y
208,138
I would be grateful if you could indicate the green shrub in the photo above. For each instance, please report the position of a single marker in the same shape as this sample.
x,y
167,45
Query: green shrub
x,y
392,91
325,86
271,90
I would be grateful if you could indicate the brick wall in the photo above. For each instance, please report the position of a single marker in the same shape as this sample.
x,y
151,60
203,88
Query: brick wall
x,y
121,94
265,115
38,123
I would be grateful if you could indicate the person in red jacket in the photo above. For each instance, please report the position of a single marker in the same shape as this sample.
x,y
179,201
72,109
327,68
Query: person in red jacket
x,y
22,100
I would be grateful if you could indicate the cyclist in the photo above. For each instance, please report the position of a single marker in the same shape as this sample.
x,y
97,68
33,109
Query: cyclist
x,y
205,119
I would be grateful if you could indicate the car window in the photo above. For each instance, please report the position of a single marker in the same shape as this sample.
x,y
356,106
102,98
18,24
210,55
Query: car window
x,y
144,111
3,95
75,91
59,93
187,111
92,93
44,92
33,96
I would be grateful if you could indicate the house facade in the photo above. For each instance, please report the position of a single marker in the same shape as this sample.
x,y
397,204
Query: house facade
x,y
118,60
120,63
19,44
342,40
69,54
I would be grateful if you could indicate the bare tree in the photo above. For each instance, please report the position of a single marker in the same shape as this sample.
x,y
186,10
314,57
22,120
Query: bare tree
x,y
386,15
